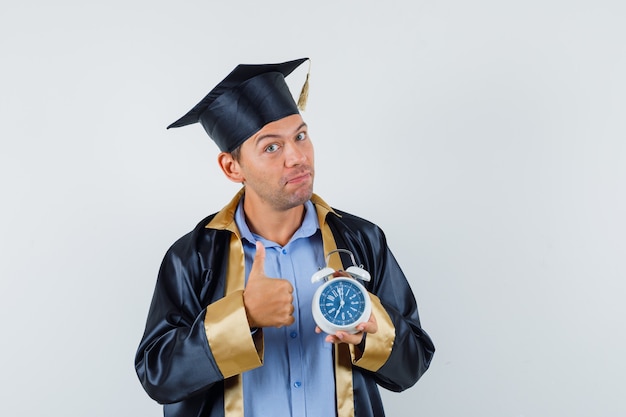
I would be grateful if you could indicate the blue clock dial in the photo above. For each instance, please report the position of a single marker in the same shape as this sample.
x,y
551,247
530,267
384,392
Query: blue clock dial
x,y
342,302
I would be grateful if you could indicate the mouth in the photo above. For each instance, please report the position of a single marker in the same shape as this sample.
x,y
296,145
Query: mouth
x,y
299,178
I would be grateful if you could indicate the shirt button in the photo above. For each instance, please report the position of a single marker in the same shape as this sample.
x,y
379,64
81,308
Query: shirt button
x,y
284,251
297,384
293,335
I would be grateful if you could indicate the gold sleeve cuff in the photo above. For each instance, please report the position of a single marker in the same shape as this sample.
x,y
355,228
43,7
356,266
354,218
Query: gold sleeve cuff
x,y
377,345
235,350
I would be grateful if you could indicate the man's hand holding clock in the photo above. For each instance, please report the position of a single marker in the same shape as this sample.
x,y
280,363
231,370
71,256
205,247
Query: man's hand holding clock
x,y
341,336
341,306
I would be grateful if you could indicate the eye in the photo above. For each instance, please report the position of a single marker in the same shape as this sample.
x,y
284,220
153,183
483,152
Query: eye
x,y
301,136
271,148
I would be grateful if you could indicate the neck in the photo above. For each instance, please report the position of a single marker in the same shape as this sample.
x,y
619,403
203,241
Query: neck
x,y
271,224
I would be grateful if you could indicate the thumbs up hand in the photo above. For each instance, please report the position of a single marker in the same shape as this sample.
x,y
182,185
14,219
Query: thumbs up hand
x,y
268,301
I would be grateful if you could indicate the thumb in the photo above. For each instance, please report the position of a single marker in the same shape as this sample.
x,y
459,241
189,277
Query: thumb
x,y
258,264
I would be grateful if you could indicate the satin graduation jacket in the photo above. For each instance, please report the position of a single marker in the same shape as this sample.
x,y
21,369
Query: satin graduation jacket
x,y
197,341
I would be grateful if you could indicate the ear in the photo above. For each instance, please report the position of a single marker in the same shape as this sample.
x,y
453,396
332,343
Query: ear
x,y
230,167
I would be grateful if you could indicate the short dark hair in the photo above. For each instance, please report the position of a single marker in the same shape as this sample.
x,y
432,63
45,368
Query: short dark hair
x,y
236,153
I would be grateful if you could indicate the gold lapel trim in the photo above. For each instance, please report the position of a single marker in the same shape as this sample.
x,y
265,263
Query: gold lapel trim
x,y
343,359
235,276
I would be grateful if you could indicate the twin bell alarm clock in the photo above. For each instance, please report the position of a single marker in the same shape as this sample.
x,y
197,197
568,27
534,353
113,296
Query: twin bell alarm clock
x,y
341,303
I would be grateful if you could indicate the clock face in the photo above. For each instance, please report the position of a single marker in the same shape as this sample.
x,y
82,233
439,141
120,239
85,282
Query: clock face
x,y
342,302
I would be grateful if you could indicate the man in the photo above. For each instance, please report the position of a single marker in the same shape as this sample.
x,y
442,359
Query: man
x,y
230,330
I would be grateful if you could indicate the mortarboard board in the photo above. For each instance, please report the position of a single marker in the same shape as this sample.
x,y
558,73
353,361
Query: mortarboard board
x,y
250,97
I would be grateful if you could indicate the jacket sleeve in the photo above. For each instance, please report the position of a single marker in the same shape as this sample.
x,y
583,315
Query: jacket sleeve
x,y
412,349
174,360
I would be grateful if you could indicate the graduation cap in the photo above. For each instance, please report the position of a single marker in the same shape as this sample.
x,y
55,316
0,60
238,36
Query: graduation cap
x,y
250,97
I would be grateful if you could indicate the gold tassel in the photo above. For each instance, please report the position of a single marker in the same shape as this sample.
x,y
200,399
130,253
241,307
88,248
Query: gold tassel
x,y
304,94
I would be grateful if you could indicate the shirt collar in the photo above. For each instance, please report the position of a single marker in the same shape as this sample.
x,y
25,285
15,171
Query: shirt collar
x,y
309,225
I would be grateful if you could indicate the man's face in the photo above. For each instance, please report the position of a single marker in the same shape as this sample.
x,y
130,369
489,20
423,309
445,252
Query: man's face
x,y
277,164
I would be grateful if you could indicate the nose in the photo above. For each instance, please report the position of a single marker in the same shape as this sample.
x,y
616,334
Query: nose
x,y
294,155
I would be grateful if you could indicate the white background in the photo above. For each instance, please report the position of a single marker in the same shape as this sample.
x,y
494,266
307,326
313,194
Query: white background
x,y
487,138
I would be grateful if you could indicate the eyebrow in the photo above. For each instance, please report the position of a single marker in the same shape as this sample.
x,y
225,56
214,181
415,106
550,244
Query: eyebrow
x,y
271,135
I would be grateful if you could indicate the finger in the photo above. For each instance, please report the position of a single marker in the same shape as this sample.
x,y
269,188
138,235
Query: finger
x,y
341,274
258,264
343,337
353,339
370,326
367,328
